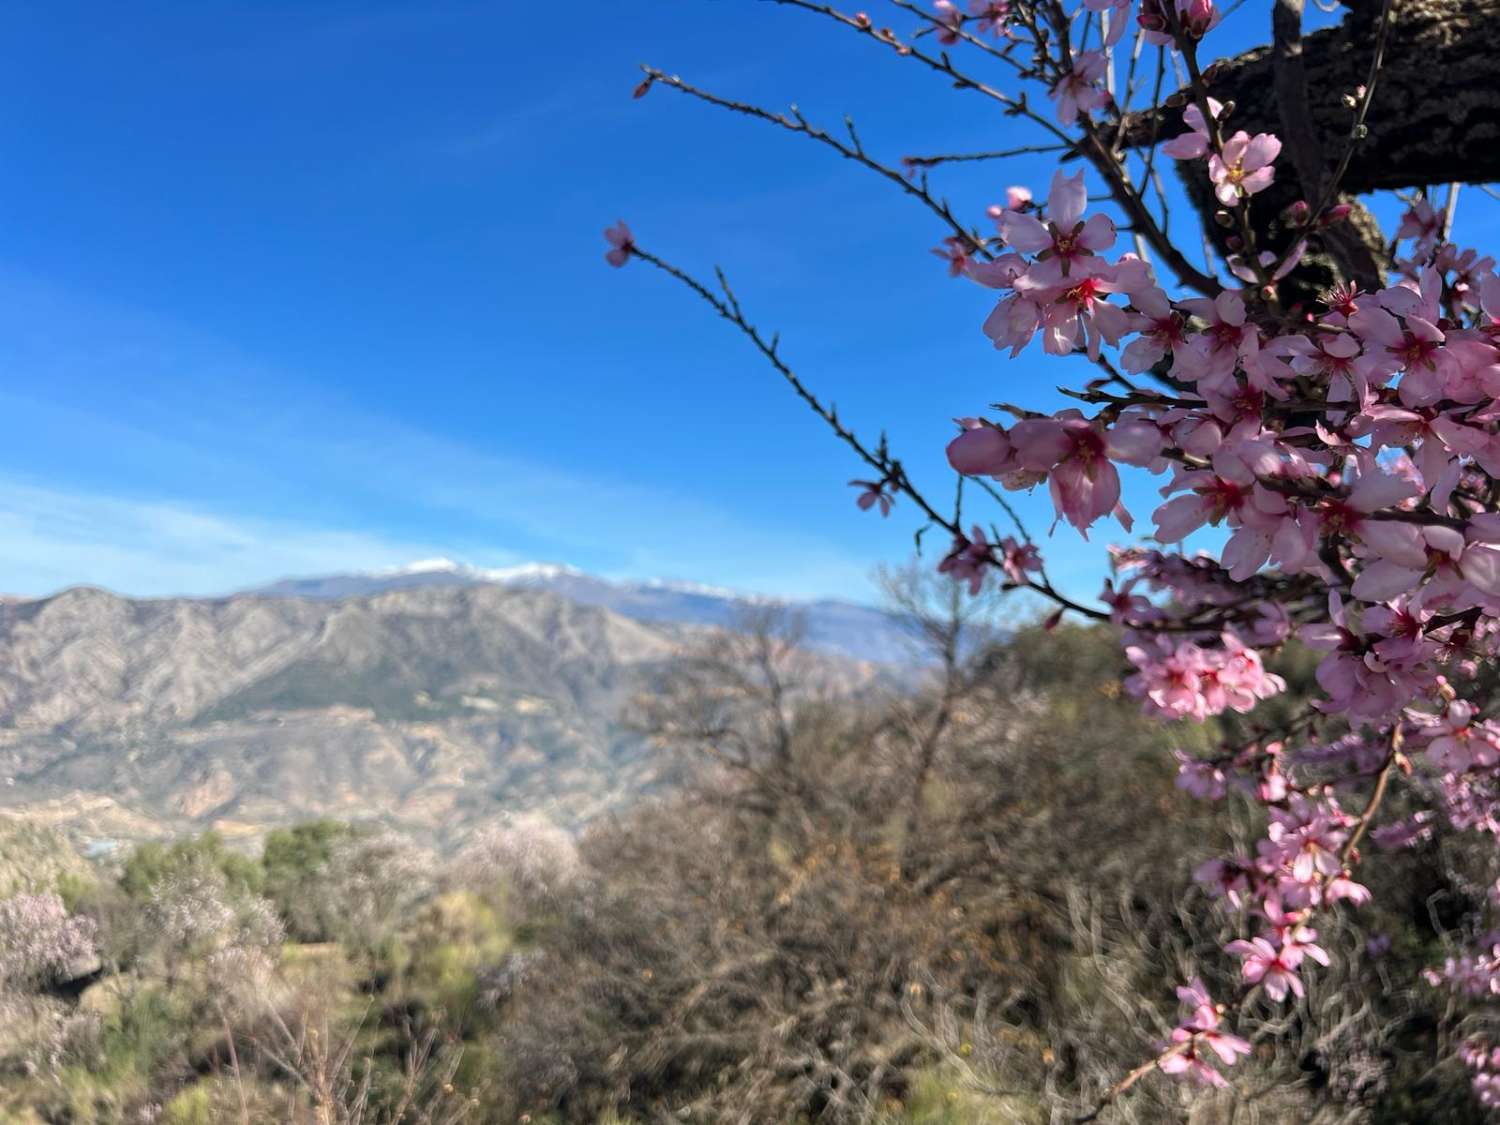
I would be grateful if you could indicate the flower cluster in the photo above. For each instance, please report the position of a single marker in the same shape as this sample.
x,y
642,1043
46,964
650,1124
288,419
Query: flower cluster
x,y
1329,469
1198,1038
1484,1060
1344,458
40,940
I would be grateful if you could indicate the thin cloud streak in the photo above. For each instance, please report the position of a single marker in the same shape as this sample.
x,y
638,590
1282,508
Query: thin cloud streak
x,y
269,453
51,539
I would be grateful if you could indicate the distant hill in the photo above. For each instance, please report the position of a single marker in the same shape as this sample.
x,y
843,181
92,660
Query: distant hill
x,y
432,705
847,628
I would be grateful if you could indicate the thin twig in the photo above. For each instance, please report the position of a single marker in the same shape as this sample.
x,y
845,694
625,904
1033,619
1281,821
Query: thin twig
x,y
852,149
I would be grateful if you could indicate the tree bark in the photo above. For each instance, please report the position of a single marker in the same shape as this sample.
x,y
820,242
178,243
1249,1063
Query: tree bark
x,y
1434,119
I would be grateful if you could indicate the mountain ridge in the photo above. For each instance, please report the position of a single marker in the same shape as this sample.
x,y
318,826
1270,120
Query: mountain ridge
x,y
432,708
851,629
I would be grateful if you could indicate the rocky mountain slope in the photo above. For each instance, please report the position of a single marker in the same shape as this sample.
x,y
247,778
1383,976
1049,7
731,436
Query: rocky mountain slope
x,y
432,707
849,629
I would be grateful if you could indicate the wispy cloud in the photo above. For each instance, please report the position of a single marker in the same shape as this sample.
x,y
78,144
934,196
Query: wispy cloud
x,y
51,538
149,458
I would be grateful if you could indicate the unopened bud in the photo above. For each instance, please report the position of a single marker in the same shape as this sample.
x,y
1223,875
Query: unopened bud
x,y
862,21
1297,212
1198,17
1335,214
1268,293
1224,219
1235,243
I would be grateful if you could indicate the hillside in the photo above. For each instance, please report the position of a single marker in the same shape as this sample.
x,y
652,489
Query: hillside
x,y
431,707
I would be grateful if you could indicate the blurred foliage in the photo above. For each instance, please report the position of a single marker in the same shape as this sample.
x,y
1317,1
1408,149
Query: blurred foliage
x,y
295,865
152,863
960,904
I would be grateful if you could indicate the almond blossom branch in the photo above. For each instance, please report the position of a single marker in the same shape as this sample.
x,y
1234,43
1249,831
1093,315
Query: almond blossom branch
x,y
1104,156
891,470
1120,1088
940,63
970,157
852,149
1350,450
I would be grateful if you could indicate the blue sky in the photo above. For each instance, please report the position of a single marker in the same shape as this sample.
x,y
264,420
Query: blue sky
x,y
295,287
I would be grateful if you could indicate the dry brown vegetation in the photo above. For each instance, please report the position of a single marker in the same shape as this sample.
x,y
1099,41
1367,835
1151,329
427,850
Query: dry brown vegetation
x,y
964,903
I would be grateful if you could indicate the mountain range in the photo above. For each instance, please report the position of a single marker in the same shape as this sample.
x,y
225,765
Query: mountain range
x,y
431,698
850,629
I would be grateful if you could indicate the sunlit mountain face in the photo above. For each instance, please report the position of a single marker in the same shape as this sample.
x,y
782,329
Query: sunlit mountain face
x,y
847,628
431,699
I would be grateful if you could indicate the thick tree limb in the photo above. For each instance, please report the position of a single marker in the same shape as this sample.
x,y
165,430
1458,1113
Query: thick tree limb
x,y
1434,119
1358,258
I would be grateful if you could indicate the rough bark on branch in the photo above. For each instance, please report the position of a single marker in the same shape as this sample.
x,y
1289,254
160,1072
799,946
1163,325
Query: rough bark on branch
x,y
1435,117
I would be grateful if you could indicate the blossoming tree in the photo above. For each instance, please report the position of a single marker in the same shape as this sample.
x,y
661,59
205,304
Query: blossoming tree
x,y
1328,398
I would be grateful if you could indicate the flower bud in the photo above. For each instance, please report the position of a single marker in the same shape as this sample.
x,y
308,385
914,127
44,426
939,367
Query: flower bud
x,y
1198,17
1224,219
1335,214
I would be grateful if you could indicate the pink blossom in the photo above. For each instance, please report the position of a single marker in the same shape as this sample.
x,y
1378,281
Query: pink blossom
x,y
1263,964
1244,167
982,449
1459,742
948,20
1159,329
954,251
1065,244
991,15
1226,343
621,244
1190,681
1227,878
968,560
874,493
1013,323
1019,560
1193,144
1078,315
1075,454
1422,222
1200,779
1196,18
1412,344
1078,90
1199,1028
